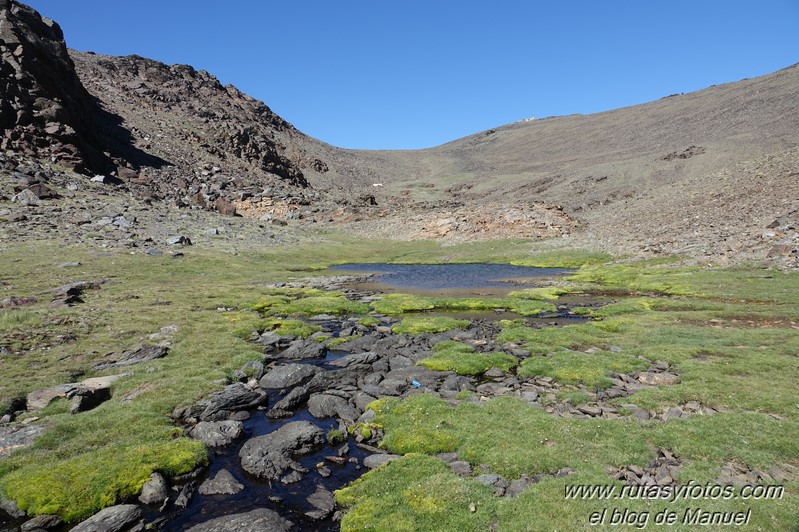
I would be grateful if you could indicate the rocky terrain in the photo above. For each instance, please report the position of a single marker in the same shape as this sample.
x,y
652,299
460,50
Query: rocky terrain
x,y
126,162
708,175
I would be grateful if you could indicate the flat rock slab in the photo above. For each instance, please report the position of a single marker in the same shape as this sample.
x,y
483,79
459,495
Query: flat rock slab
x,y
229,399
376,460
112,519
39,399
260,520
287,376
41,522
270,455
651,378
141,354
303,349
323,502
217,433
223,483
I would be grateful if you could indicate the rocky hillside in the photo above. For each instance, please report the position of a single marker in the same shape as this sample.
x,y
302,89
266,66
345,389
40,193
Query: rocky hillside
x,y
44,109
709,174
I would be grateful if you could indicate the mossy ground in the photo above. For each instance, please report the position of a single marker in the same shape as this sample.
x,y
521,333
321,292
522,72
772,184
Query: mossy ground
x,y
730,334
461,358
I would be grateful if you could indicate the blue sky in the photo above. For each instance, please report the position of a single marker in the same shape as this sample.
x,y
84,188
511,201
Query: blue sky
x,y
415,74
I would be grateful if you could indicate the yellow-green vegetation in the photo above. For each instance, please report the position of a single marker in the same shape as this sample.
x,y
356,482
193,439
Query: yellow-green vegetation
x,y
307,302
124,441
524,304
428,324
421,493
17,319
513,439
732,337
288,327
545,292
369,321
461,358
574,367
335,342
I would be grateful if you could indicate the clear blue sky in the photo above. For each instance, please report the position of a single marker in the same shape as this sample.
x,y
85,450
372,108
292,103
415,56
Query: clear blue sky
x,y
413,74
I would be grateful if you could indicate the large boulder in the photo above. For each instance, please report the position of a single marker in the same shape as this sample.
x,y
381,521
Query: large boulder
x,y
270,455
260,520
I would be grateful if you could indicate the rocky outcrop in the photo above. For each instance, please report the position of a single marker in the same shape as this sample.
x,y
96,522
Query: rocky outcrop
x,y
270,456
44,109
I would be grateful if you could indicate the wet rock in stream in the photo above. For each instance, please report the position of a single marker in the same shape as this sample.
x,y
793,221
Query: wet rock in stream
x,y
270,456
261,519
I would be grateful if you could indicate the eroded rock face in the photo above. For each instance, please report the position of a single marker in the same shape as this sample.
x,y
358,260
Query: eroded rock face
x,y
45,110
270,456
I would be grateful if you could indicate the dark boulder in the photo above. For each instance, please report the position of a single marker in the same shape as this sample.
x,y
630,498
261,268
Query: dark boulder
x,y
270,456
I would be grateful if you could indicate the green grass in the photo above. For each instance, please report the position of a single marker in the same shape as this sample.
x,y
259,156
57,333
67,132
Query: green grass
x,y
428,324
16,319
549,443
528,303
730,334
564,259
461,358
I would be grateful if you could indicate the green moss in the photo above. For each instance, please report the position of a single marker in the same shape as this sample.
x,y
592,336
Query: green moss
x,y
369,321
77,487
289,327
310,306
336,437
432,324
528,307
415,493
461,358
335,342
400,303
543,293
580,368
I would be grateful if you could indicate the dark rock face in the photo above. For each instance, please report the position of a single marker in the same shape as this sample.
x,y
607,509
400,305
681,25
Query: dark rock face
x,y
44,110
260,520
270,456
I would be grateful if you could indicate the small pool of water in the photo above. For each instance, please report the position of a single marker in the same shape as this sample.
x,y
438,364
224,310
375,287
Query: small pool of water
x,y
491,279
